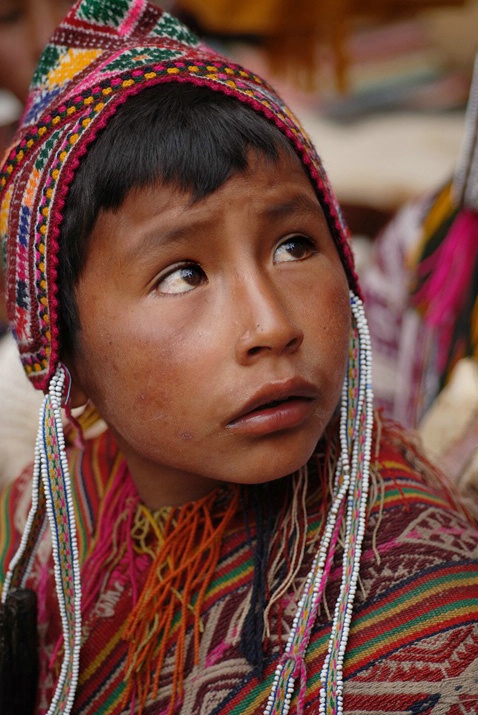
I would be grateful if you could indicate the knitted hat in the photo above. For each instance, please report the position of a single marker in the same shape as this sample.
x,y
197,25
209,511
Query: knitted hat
x,y
102,53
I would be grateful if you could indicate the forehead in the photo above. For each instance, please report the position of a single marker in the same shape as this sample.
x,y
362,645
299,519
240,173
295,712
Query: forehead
x,y
268,191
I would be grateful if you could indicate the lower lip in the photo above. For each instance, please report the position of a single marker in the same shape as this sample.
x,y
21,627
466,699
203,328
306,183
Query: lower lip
x,y
274,419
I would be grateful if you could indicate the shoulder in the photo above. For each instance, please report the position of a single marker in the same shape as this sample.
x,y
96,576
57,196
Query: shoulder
x,y
405,476
415,513
412,501
416,613
421,547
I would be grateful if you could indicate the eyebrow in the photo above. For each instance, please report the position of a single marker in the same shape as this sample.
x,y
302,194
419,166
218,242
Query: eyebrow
x,y
297,203
149,242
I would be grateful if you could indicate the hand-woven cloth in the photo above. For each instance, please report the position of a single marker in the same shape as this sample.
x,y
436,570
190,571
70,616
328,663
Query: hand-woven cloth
x,y
414,639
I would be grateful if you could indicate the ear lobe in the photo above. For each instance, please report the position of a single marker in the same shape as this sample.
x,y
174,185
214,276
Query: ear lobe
x,y
78,397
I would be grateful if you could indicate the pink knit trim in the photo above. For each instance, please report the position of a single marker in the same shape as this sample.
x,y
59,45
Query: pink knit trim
x,y
132,17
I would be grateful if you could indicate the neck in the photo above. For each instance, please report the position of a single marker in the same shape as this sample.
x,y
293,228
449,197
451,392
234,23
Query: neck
x,y
158,490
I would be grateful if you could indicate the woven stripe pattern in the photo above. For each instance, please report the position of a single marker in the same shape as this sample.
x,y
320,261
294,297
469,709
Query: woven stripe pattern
x,y
413,643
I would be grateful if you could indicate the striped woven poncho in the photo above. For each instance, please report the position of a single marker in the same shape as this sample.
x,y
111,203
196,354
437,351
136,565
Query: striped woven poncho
x,y
414,637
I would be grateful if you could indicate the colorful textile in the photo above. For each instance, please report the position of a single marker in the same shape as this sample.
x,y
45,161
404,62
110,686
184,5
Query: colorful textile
x,y
413,646
420,293
103,52
421,288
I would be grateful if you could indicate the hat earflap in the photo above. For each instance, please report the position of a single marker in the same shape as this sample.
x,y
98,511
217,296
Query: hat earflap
x,y
52,497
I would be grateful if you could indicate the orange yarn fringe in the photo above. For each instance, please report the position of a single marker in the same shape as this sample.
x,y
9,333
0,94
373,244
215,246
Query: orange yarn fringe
x,y
185,555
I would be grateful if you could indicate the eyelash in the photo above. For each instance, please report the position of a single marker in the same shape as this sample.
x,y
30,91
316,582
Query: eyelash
x,y
178,268
304,242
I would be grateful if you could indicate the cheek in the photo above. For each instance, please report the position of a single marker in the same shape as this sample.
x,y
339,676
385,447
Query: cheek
x,y
337,323
134,369
330,324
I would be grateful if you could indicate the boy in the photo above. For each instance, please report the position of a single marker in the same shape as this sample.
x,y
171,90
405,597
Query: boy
x,y
176,257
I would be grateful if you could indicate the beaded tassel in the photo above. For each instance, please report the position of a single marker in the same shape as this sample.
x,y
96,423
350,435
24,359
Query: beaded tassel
x,y
331,696
52,494
349,498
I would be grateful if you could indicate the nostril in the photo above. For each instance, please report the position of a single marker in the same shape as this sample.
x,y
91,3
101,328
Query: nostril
x,y
295,342
254,351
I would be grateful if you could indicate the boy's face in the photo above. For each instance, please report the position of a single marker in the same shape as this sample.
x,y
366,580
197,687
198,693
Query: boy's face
x,y
214,334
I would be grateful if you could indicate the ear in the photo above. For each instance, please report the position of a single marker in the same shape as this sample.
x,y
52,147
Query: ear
x,y
78,396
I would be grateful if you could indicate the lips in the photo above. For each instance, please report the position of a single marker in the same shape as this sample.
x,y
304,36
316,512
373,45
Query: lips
x,y
277,406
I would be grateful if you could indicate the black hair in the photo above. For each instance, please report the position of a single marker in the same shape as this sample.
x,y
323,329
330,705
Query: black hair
x,y
176,133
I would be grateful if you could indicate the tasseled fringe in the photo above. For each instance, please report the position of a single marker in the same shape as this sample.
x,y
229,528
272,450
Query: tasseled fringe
x,y
445,263
287,548
51,493
187,552
278,547
438,219
281,546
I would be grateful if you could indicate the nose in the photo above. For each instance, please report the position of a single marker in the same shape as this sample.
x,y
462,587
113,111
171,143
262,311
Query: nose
x,y
264,319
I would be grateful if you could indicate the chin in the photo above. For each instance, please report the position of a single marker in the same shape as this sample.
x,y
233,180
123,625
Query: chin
x,y
275,467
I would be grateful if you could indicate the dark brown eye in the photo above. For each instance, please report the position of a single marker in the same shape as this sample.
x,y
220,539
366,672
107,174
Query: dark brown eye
x,y
181,279
294,248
